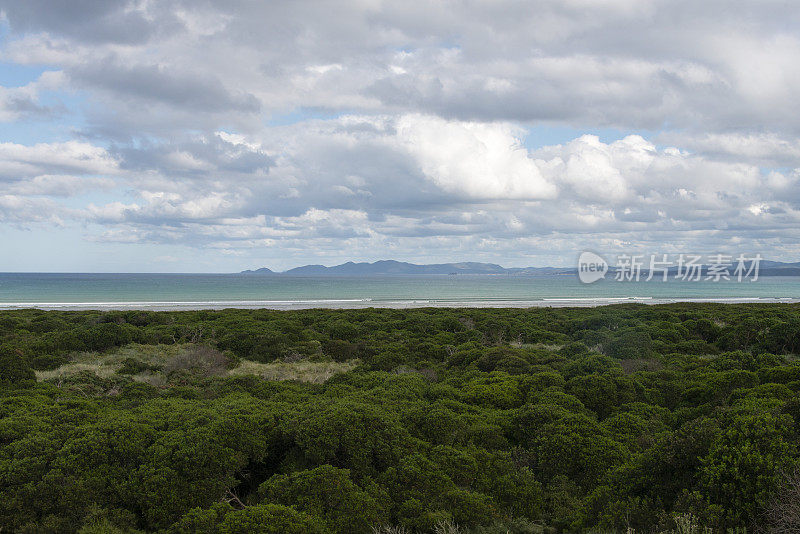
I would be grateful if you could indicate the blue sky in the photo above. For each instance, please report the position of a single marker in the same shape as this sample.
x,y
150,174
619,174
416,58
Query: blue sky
x,y
182,137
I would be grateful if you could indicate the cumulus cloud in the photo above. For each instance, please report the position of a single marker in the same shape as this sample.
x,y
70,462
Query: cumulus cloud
x,y
16,103
28,173
17,160
486,187
766,149
23,211
24,102
477,160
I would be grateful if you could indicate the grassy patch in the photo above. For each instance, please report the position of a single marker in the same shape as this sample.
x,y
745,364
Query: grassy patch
x,y
102,370
543,346
314,372
156,362
105,364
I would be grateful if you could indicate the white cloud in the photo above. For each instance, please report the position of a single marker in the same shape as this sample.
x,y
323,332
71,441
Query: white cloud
x,y
590,63
482,183
59,185
22,210
28,173
477,160
195,122
763,148
18,161
24,102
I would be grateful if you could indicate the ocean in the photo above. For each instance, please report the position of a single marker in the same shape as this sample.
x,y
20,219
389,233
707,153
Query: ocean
x,y
215,291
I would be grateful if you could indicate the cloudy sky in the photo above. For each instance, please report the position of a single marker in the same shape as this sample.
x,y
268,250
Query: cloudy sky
x,y
219,135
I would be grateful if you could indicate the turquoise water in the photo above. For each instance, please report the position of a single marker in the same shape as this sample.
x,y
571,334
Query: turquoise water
x,y
192,291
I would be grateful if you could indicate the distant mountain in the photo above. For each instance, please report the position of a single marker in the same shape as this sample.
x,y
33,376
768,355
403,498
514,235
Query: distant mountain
x,y
392,267
765,268
388,267
262,270
778,268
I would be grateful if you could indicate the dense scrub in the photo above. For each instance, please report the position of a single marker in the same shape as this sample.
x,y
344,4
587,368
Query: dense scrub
x,y
499,420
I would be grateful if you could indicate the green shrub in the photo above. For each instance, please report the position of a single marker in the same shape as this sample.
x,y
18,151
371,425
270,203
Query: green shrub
x,y
14,369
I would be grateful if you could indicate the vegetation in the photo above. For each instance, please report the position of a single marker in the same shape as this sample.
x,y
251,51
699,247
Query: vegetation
x,y
674,418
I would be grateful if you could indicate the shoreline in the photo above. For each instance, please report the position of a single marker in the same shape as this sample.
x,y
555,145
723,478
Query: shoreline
x,y
554,302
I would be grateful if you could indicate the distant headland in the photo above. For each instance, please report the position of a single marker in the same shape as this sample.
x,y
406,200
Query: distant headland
x,y
392,267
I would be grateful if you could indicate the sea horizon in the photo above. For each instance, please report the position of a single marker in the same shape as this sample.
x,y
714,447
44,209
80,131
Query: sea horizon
x,y
192,291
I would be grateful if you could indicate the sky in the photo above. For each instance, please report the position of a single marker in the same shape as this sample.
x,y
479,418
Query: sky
x,y
222,135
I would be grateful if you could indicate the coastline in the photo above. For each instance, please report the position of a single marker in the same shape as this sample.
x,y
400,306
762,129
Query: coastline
x,y
555,302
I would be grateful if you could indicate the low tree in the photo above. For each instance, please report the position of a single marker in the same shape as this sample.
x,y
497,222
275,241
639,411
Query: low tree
x,y
14,369
742,468
328,493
